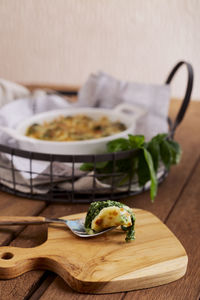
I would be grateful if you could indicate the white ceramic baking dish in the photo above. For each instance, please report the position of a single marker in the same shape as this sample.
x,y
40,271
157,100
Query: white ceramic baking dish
x,y
125,113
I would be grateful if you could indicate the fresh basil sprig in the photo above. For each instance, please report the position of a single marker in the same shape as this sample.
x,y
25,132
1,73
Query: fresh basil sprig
x,y
144,162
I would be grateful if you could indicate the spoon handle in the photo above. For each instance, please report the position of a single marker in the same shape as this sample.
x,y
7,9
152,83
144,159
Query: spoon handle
x,y
25,220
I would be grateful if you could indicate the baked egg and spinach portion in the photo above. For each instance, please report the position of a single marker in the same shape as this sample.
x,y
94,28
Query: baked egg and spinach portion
x,y
106,214
74,128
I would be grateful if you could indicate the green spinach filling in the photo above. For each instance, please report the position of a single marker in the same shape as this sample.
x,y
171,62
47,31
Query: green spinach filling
x,y
95,209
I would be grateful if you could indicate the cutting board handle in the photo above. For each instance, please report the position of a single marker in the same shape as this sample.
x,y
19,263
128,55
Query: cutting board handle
x,y
15,261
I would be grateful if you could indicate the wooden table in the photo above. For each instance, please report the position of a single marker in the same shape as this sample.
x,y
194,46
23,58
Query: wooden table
x,y
177,204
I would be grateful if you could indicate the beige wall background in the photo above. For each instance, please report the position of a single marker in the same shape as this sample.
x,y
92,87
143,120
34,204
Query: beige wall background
x,y
63,41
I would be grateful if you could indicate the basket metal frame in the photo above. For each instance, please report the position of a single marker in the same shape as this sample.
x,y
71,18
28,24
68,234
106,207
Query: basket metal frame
x,y
56,194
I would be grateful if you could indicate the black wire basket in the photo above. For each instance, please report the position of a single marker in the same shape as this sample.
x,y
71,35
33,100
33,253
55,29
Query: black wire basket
x,y
56,186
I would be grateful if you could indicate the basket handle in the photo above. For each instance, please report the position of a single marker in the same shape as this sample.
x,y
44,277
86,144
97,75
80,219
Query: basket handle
x,y
186,98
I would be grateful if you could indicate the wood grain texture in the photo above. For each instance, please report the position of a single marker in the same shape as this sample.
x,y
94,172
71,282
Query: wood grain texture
x,y
185,221
25,285
104,264
12,205
169,193
32,236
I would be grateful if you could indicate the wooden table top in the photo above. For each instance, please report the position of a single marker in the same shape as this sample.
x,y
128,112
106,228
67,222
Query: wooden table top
x,y
177,205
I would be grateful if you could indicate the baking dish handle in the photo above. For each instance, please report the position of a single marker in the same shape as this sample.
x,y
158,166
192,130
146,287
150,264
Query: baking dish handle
x,y
186,98
130,109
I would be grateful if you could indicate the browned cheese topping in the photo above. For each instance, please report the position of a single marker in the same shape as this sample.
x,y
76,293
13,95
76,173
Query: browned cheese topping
x,y
74,128
111,216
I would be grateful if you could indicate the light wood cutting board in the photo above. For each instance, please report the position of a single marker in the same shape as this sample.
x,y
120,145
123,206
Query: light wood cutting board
x,y
106,263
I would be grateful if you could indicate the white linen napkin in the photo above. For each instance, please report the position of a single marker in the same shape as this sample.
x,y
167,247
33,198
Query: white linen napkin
x,y
100,90
10,91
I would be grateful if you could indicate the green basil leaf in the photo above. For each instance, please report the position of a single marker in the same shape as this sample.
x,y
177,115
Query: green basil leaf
x,y
101,165
165,153
143,169
154,183
90,166
136,141
160,137
87,167
154,148
175,151
144,162
123,165
120,144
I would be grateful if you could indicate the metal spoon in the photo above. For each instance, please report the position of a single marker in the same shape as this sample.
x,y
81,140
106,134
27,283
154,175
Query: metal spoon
x,y
76,226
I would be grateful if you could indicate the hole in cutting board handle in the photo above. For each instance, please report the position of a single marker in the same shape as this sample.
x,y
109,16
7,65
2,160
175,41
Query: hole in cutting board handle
x,y
7,255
